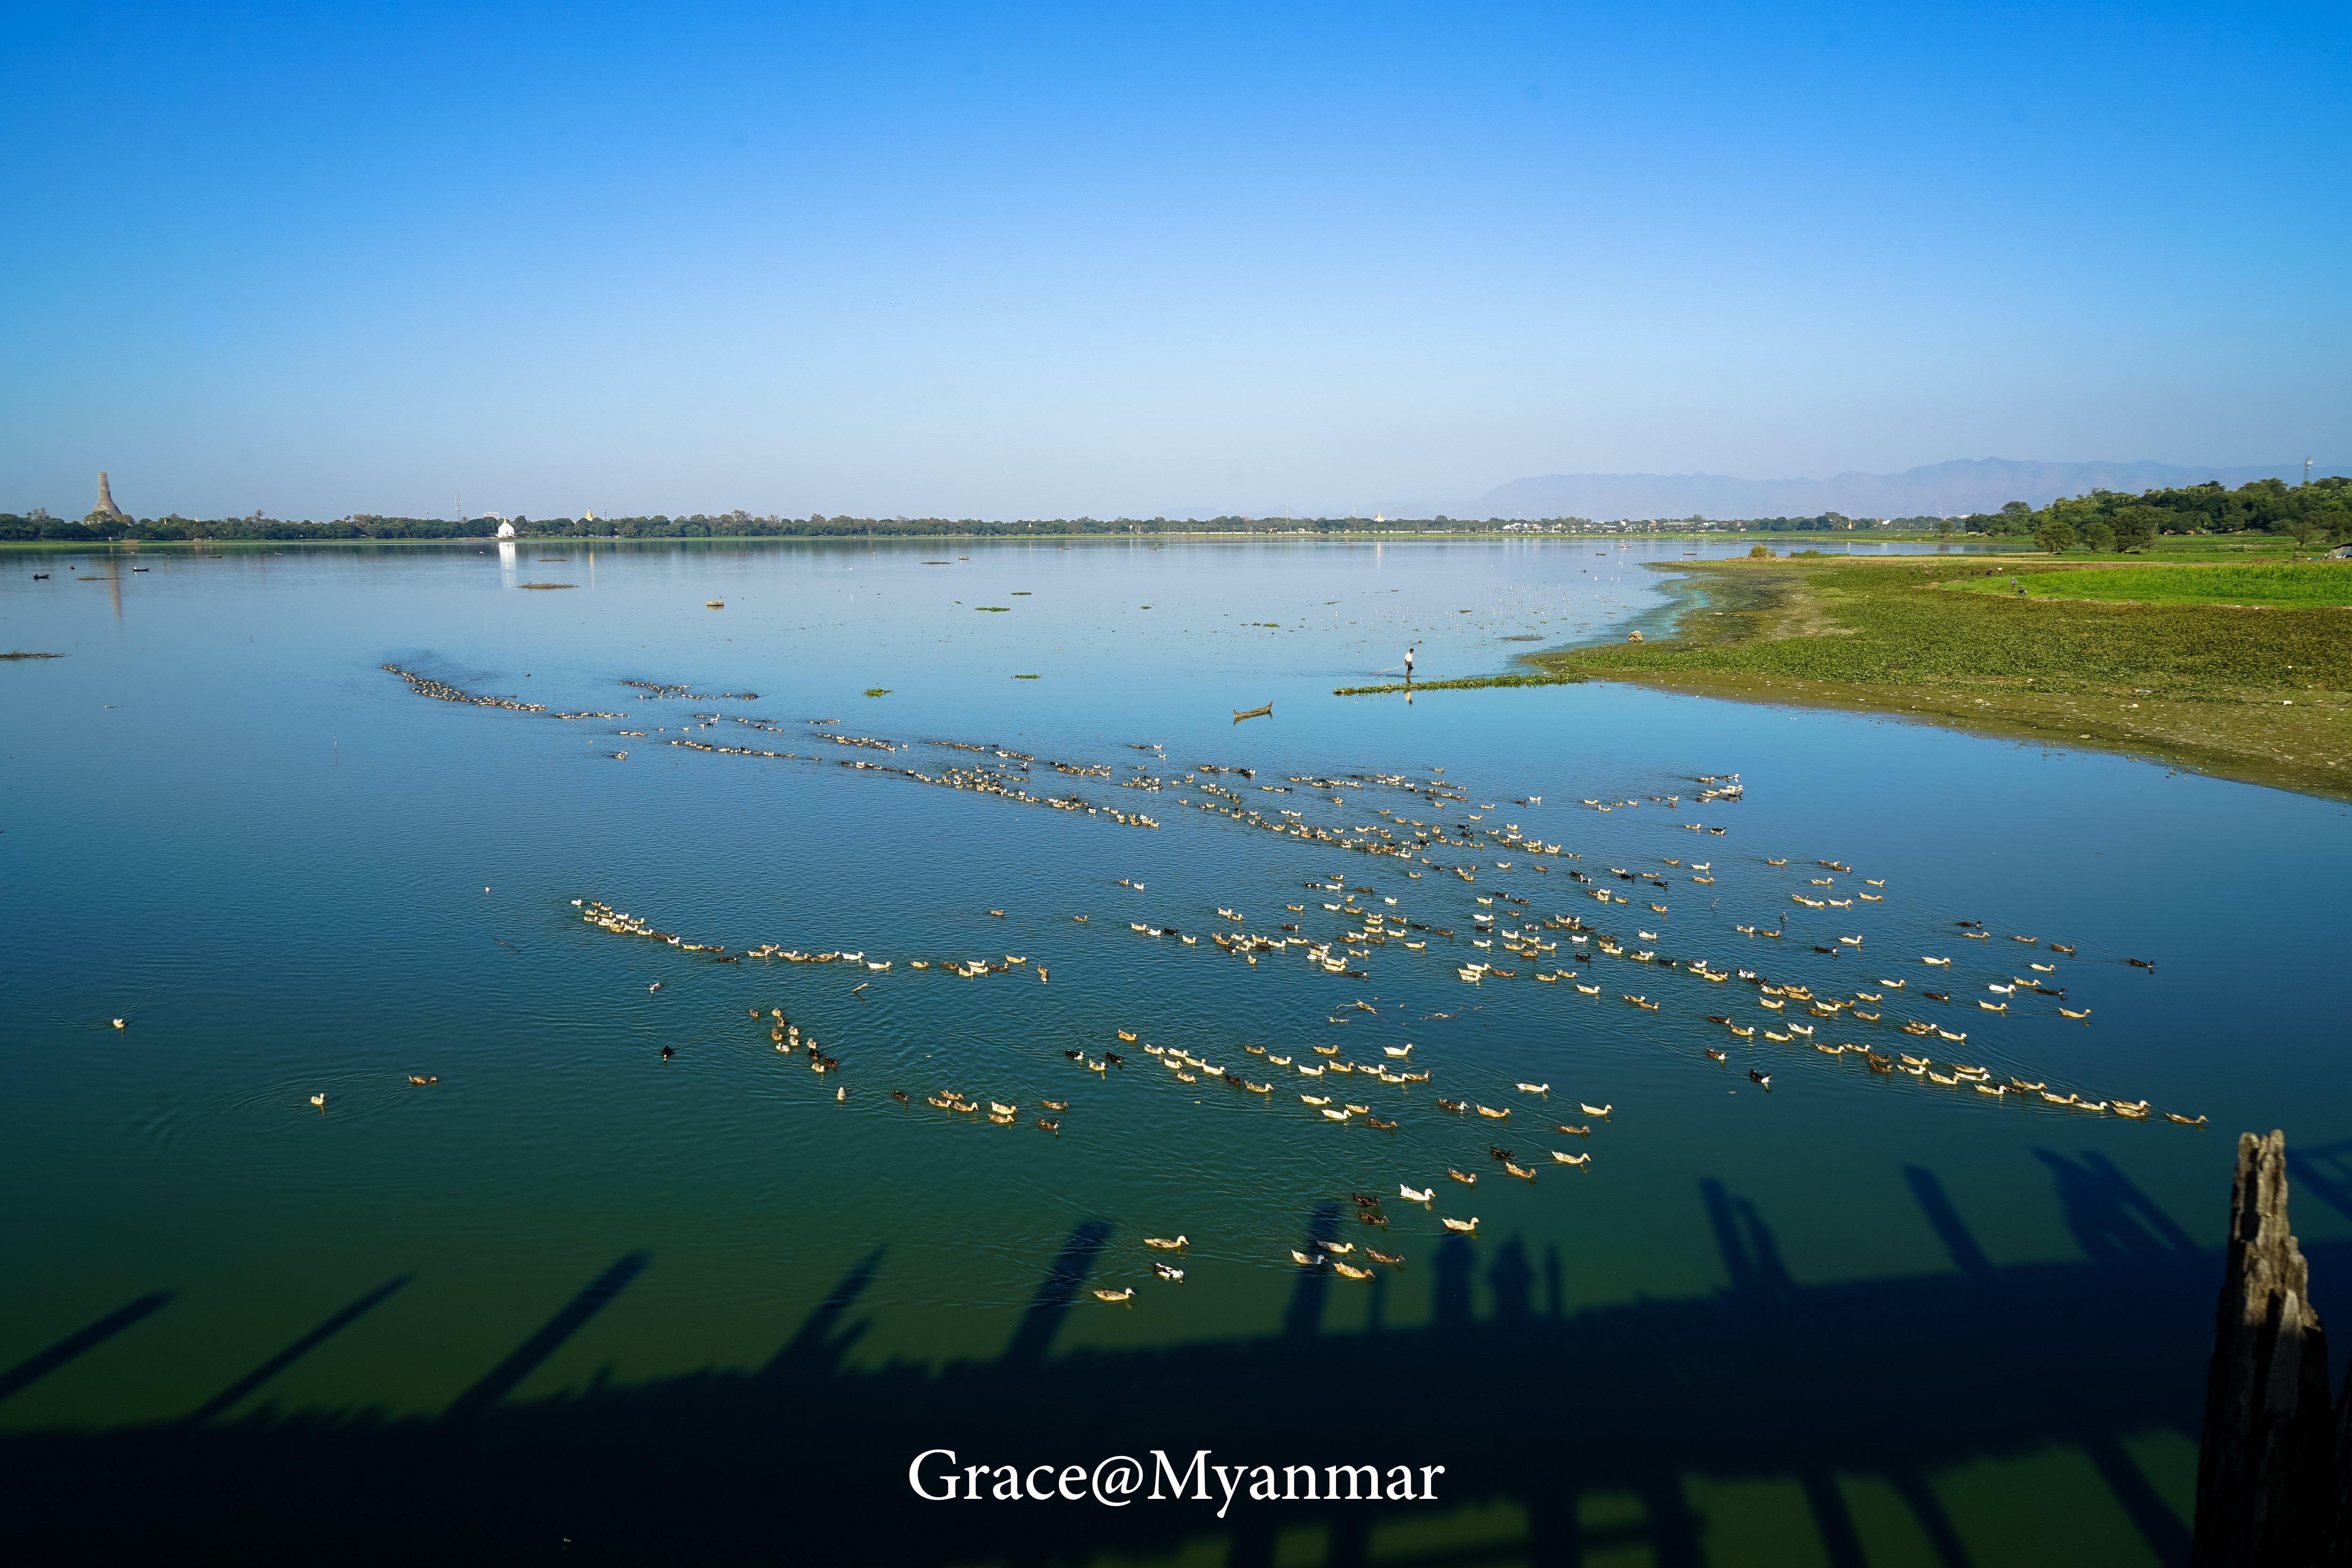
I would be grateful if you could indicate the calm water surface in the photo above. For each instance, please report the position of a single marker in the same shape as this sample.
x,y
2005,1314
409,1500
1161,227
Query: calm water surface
x,y
1857,1318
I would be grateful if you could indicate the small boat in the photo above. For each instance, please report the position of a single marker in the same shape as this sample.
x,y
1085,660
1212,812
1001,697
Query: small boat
x,y
1265,713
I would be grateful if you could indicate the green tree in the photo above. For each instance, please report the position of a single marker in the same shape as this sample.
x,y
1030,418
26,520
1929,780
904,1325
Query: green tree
x,y
2054,536
2099,535
2136,526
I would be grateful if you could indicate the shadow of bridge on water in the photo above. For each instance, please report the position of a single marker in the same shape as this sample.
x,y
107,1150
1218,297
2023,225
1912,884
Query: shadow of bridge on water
x,y
806,1457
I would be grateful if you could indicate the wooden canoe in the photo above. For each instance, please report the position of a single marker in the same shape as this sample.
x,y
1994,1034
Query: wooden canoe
x,y
1265,713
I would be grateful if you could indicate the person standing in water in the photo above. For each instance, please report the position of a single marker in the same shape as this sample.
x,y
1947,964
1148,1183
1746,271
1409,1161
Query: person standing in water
x,y
1408,666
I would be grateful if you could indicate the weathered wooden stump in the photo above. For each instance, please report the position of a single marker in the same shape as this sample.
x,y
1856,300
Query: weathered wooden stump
x,y
2271,1473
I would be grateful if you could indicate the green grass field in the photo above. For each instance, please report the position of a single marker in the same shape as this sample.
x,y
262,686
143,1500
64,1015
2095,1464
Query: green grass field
x,y
2304,583
2256,693
1878,621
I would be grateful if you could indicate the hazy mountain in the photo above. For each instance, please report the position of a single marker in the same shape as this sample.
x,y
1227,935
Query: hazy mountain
x,y
1973,484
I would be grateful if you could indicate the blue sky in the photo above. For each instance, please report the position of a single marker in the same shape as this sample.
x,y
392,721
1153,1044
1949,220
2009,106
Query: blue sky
x,y
1040,260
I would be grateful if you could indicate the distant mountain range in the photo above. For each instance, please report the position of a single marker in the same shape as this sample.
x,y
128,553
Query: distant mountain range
x,y
1971,484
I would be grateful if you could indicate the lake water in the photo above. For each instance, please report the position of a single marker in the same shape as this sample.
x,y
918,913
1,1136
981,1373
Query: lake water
x,y
574,1290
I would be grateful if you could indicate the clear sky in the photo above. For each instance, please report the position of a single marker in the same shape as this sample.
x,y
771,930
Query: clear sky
x,y
1042,260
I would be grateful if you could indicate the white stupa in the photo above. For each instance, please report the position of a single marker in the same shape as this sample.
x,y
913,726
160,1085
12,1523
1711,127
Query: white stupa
x,y
506,531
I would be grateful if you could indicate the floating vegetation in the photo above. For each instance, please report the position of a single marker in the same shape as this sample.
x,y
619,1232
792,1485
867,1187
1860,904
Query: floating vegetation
x,y
22,654
546,584
877,691
1466,684
1017,677
997,609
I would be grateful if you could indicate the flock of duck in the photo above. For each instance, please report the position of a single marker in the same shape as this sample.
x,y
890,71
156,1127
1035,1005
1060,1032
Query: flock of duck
x,y
1434,826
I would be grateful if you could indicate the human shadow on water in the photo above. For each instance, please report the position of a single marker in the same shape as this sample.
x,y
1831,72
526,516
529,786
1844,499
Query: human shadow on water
x,y
1584,1431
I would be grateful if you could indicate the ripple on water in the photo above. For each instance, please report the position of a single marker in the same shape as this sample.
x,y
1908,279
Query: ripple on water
x,y
255,1119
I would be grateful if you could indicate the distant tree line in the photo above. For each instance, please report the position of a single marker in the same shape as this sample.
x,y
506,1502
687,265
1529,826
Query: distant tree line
x,y
2117,520
2109,519
2102,520
97,528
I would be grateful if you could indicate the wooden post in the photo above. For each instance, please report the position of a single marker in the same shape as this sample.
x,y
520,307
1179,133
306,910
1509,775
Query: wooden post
x,y
2337,1544
2263,1474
